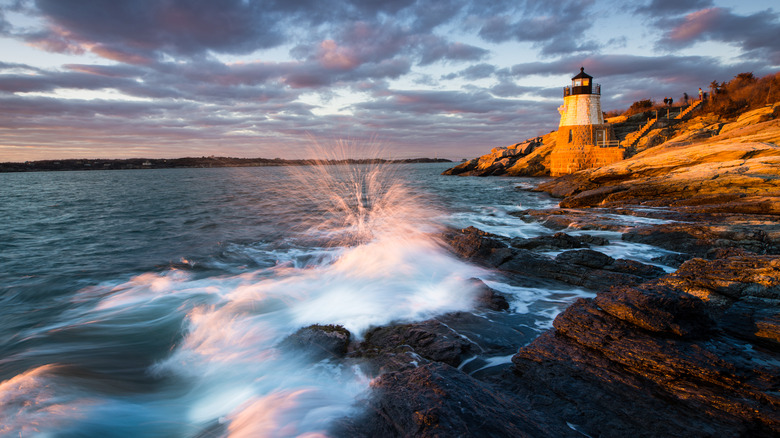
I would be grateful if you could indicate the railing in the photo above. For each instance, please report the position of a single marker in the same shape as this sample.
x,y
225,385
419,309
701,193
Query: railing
x,y
569,90
690,108
608,144
641,132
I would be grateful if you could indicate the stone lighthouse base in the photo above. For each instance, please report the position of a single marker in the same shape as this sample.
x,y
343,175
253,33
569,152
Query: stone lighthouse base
x,y
582,147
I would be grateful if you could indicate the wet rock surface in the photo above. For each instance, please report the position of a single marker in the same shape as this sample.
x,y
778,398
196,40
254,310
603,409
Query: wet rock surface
x,y
698,348
319,341
585,267
436,400
692,353
701,360
695,353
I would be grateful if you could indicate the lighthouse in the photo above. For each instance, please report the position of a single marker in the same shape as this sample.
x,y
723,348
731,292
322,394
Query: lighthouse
x,y
583,139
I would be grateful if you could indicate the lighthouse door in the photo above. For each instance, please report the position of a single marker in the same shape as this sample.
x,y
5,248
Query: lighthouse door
x,y
600,137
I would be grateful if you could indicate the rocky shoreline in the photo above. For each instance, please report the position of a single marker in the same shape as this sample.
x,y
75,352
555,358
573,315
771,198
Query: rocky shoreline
x,y
694,352
691,353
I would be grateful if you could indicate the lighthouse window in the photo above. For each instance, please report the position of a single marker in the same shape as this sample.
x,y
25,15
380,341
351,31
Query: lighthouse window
x,y
578,82
570,136
585,82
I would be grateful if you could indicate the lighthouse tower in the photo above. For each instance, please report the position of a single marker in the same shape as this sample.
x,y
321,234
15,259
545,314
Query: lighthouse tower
x,y
583,139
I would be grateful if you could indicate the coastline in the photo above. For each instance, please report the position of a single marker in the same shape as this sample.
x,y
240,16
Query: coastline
x,y
693,350
189,162
698,347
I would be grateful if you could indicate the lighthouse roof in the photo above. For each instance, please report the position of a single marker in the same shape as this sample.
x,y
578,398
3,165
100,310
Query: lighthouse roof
x,y
582,74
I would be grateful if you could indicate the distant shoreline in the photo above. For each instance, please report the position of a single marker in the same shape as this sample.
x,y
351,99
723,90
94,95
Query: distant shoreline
x,y
189,162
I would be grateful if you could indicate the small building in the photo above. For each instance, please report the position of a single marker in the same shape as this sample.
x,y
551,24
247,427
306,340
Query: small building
x,y
583,139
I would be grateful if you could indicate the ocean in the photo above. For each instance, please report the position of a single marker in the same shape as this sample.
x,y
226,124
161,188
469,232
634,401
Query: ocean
x,y
153,302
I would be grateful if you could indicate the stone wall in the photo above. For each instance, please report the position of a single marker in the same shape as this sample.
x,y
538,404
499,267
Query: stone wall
x,y
576,149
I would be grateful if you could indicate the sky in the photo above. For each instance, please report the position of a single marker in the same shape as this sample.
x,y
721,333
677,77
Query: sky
x,y
389,78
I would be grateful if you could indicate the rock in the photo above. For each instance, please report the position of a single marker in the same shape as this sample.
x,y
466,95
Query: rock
x,y
549,242
493,333
488,298
658,309
320,341
697,348
436,400
586,257
593,240
589,269
422,341
717,176
749,118
476,245
465,168
634,267
735,278
714,238
563,218
530,158
586,268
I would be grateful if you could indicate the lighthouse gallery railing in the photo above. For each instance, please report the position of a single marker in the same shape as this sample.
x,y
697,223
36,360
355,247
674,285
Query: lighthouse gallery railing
x,y
568,90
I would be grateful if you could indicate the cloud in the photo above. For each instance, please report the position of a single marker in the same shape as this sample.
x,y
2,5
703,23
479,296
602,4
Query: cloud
x,y
657,8
437,49
160,80
177,27
477,71
438,102
510,89
549,25
756,34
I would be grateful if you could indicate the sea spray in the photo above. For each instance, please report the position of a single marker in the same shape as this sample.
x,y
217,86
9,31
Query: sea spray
x,y
388,268
217,366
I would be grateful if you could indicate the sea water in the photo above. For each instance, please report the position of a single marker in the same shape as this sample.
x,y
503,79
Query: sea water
x,y
153,302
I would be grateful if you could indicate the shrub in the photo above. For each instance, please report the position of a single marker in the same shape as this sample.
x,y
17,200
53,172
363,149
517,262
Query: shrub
x,y
743,93
639,107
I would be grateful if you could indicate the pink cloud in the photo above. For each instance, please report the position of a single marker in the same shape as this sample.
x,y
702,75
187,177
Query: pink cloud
x,y
117,55
695,24
333,56
58,40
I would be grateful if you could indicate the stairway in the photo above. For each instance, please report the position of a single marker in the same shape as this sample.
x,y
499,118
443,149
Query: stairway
x,y
650,123
690,108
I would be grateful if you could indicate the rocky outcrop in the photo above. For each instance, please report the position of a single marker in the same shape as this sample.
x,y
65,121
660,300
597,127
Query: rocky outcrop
x,y
697,348
521,159
753,234
716,176
585,267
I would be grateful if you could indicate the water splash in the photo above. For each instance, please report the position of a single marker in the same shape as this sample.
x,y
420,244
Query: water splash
x,y
225,371
357,203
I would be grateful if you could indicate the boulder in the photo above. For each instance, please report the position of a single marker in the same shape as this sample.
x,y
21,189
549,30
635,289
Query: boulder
x,y
488,298
319,341
422,341
549,242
